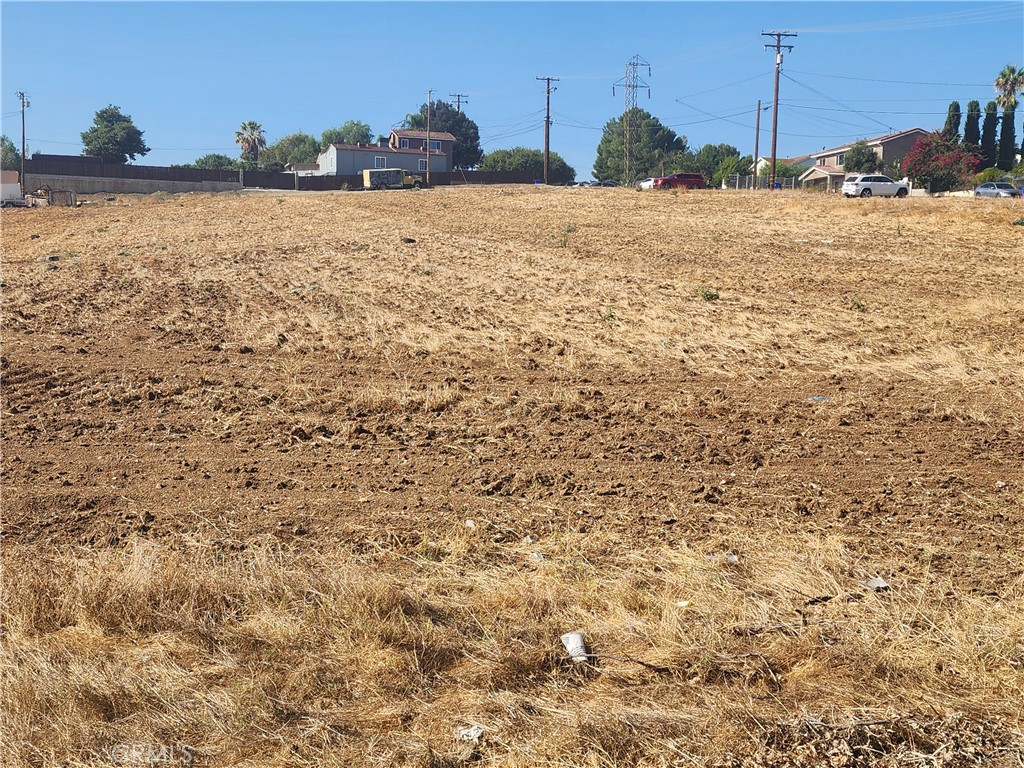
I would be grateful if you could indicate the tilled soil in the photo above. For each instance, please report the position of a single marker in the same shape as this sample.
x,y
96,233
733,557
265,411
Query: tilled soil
x,y
659,369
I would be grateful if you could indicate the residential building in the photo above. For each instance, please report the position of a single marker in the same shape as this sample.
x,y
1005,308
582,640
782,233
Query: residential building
x,y
303,169
353,159
799,161
827,170
440,141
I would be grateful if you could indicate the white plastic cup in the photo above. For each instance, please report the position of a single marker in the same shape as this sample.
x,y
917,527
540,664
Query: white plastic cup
x,y
576,647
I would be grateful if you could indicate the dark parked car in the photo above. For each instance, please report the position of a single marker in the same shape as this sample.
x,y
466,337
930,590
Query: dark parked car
x,y
680,181
996,189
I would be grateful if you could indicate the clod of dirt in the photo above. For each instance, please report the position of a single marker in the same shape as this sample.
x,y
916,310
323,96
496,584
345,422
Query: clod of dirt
x,y
245,350
408,240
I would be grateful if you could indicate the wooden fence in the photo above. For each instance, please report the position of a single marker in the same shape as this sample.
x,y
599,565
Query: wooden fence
x,y
54,165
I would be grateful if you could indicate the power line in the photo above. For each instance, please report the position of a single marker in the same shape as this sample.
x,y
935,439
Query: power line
x,y
795,105
459,98
720,87
836,101
937,21
896,82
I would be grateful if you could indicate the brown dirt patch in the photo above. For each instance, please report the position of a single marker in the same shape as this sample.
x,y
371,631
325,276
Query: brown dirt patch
x,y
285,373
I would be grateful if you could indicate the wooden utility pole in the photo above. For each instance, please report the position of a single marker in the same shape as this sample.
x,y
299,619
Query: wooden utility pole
x,y
757,140
24,103
426,144
778,46
547,124
459,98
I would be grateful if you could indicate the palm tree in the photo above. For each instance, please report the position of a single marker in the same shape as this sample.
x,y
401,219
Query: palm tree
x,y
252,139
1009,83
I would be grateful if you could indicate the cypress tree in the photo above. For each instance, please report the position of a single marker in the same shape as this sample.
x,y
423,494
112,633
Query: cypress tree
x,y
972,129
1007,140
952,128
988,136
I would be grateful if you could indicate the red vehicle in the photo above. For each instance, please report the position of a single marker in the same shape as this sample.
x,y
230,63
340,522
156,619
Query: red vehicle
x,y
680,181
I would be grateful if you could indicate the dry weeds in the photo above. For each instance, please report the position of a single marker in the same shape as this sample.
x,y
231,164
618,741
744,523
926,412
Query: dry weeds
x,y
282,489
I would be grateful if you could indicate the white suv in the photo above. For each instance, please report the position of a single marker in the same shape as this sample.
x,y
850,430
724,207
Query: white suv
x,y
866,185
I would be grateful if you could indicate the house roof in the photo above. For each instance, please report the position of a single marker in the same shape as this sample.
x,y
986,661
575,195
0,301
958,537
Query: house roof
x,y
435,135
825,170
873,141
390,150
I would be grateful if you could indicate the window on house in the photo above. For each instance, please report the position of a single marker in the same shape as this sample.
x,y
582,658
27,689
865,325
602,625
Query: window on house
x,y
821,161
423,164
839,160
380,162
435,145
404,144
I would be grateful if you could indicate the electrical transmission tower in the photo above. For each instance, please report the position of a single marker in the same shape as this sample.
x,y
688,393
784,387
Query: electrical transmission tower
x,y
631,83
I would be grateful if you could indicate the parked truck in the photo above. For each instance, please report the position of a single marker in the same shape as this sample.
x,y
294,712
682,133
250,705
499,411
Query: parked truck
x,y
390,178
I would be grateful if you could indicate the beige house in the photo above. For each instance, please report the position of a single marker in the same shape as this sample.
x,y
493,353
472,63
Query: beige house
x,y
827,169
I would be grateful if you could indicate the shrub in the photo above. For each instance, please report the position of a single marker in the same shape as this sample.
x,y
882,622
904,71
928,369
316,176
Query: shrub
x,y
940,163
989,174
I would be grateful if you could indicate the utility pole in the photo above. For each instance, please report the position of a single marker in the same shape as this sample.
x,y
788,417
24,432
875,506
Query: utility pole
x,y
426,144
757,139
547,124
459,98
631,82
778,46
24,103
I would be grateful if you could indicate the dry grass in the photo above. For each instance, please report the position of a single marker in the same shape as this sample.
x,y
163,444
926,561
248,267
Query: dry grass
x,y
273,657
527,422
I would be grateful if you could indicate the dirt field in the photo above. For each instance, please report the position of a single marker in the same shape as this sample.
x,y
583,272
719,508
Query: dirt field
x,y
320,479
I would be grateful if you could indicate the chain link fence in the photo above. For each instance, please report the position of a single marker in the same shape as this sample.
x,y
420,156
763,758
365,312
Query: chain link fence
x,y
738,181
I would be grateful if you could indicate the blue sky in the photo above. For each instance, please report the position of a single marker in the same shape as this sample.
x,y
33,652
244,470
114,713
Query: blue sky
x,y
190,73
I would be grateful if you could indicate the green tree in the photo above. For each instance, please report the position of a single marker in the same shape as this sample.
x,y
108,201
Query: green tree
x,y
10,157
988,135
349,132
293,148
113,137
782,171
216,161
523,159
444,117
655,147
952,128
251,137
860,158
729,165
707,161
1007,140
972,125
939,163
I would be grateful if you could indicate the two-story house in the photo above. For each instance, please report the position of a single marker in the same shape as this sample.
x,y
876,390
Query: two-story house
x,y
440,141
828,171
